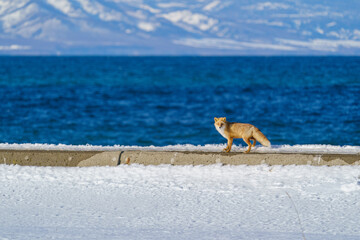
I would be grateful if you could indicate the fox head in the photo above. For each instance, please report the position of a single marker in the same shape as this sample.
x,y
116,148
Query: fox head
x,y
219,122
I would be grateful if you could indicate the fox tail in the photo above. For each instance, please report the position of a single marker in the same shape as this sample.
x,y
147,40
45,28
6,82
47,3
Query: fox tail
x,y
260,137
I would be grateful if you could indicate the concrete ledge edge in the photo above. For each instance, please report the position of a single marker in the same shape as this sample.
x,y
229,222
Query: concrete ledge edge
x,y
115,158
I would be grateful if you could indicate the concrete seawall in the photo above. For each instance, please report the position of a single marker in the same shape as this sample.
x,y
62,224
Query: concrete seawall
x,y
114,158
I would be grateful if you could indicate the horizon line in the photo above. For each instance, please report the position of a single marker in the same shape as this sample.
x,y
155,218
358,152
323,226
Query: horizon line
x,y
170,55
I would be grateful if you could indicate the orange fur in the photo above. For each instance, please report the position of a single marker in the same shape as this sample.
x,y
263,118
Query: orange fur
x,y
245,131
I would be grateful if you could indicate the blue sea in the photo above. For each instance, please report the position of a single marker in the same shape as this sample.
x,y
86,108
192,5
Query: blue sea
x,y
173,100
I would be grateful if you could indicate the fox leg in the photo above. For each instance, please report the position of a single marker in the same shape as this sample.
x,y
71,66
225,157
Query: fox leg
x,y
227,147
247,140
229,144
254,142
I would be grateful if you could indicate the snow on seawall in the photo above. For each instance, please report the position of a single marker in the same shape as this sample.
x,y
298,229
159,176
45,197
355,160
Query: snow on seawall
x,y
311,148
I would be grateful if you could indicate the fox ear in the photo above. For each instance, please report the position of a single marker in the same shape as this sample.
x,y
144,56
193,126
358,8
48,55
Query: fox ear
x,y
216,119
224,118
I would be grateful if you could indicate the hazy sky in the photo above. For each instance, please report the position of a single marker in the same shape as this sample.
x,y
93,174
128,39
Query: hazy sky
x,y
158,27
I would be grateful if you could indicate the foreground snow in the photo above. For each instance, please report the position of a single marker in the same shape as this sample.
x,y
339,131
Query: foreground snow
x,y
180,202
311,148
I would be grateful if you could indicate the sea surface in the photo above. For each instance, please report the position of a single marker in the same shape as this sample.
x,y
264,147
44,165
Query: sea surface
x,y
173,100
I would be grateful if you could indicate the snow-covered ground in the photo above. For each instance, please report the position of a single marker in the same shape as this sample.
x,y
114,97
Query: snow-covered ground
x,y
180,202
311,148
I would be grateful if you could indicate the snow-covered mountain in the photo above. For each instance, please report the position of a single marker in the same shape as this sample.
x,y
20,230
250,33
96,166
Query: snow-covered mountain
x,y
159,27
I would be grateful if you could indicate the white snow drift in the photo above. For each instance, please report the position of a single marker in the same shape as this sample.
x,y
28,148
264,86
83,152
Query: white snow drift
x,y
180,202
311,148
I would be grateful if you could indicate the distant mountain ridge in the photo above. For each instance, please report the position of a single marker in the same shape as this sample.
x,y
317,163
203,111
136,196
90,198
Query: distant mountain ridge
x,y
157,27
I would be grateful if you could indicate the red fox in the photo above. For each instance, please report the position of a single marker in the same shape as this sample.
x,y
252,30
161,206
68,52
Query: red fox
x,y
245,131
